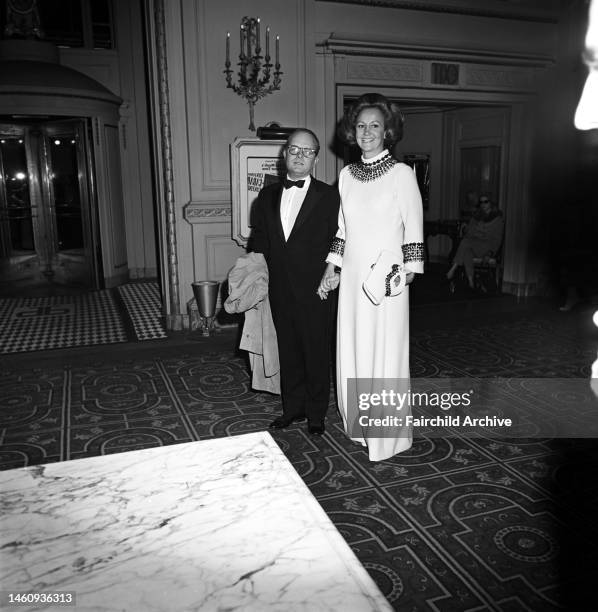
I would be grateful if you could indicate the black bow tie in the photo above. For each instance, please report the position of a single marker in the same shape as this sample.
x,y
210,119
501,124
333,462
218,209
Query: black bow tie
x,y
288,183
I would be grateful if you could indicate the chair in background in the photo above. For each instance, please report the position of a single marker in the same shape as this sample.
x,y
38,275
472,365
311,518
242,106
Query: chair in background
x,y
488,271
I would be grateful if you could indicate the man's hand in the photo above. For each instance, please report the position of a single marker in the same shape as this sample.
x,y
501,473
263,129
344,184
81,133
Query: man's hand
x,y
330,281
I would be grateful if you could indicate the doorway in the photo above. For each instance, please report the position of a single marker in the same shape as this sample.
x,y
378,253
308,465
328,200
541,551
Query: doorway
x,y
47,215
480,175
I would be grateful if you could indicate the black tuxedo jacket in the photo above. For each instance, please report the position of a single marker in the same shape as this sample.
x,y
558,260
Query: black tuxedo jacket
x,y
295,265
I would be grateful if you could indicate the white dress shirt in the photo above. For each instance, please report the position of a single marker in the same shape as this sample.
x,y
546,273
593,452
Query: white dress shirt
x,y
290,205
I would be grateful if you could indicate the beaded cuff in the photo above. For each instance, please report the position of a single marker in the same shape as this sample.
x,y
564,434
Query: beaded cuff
x,y
337,246
394,270
413,251
364,172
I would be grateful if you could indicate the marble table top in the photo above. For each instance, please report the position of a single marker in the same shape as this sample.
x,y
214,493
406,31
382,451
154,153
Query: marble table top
x,y
222,524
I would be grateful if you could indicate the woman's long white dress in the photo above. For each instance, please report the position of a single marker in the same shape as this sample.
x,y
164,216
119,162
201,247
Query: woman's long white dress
x,y
381,209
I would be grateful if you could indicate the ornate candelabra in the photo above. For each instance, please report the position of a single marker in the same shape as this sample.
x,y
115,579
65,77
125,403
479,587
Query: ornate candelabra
x,y
254,75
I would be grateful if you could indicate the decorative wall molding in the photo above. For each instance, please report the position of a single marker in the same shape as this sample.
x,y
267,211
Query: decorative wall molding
x,y
419,73
417,67
353,43
146,273
125,113
499,79
488,8
210,182
178,321
384,72
221,254
166,147
103,68
196,212
97,132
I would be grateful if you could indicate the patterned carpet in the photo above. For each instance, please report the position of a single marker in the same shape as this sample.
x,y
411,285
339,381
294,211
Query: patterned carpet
x,y
123,314
454,524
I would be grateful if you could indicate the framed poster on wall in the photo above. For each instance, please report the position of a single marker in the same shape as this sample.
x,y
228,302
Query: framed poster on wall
x,y
255,163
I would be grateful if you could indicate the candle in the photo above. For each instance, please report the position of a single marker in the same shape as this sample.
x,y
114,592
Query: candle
x,y
257,36
249,31
267,43
228,47
277,62
242,40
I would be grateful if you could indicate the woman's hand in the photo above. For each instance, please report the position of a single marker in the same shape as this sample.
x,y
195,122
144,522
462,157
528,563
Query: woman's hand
x,y
409,277
330,281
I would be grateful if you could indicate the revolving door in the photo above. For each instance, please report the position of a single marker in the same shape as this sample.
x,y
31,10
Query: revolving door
x,y
48,232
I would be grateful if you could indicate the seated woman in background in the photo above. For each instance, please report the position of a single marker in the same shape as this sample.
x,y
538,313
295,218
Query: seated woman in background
x,y
482,238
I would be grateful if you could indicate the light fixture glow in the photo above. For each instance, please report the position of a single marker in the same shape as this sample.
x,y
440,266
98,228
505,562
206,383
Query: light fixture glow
x,y
586,114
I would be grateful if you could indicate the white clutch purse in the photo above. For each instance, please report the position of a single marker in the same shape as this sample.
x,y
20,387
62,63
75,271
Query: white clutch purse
x,y
386,278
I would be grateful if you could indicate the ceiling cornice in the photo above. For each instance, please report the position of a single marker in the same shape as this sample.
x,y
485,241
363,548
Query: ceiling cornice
x,y
545,12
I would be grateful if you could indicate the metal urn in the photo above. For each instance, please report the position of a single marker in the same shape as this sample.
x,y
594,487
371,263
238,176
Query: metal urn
x,y
206,295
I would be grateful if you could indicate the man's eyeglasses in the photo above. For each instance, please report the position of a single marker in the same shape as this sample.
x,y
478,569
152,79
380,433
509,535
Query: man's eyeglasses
x,y
307,152
484,201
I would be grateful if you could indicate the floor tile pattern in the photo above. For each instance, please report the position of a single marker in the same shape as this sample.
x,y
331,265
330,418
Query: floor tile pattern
x,y
144,307
128,313
39,323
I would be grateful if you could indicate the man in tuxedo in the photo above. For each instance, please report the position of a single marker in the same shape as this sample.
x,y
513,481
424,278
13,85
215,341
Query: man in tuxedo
x,y
294,223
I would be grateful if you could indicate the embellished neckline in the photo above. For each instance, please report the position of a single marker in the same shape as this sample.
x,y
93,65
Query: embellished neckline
x,y
366,171
374,159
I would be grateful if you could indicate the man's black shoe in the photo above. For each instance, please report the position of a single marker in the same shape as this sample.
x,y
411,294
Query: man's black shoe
x,y
282,421
316,429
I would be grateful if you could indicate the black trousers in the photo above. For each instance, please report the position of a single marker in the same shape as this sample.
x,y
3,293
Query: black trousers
x,y
303,332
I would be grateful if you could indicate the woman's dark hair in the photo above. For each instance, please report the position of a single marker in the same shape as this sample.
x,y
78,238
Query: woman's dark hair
x,y
393,119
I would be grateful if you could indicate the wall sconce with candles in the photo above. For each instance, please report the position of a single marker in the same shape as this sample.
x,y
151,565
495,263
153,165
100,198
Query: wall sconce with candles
x,y
254,75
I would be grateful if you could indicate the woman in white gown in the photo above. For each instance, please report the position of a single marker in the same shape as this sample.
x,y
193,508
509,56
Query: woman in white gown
x,y
381,209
